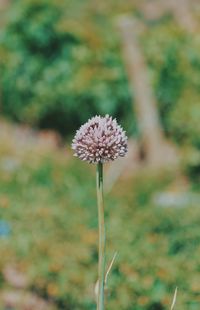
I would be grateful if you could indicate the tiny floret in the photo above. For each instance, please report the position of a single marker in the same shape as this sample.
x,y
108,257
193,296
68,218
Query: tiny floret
x,y
101,139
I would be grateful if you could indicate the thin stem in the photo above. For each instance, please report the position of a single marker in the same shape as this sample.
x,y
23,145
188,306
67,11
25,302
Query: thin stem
x,y
102,238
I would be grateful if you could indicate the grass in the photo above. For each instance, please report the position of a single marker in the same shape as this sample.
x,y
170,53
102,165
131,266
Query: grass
x,y
49,200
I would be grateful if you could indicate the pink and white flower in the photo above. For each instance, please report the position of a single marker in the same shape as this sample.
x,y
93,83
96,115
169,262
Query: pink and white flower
x,y
101,139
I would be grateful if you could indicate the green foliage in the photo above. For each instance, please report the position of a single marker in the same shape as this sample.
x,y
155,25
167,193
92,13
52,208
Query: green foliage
x,y
55,77
61,63
57,74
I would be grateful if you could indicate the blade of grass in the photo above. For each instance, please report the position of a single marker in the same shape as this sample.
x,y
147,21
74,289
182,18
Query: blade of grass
x,y
110,267
174,299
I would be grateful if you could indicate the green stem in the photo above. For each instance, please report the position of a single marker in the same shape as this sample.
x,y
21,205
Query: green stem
x,y
102,238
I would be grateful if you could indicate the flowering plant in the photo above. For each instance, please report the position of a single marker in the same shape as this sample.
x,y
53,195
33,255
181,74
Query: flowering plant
x,y
100,140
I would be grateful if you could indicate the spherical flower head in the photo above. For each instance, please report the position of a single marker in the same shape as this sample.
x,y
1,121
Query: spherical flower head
x,y
101,139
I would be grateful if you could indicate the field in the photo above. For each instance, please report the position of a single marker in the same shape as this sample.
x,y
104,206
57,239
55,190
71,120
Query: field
x,y
48,200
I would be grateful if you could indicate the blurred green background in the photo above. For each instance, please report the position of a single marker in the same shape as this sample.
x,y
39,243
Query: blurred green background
x,y
61,62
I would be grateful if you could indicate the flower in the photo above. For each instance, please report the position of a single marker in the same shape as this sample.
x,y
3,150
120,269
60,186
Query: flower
x,y
101,139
